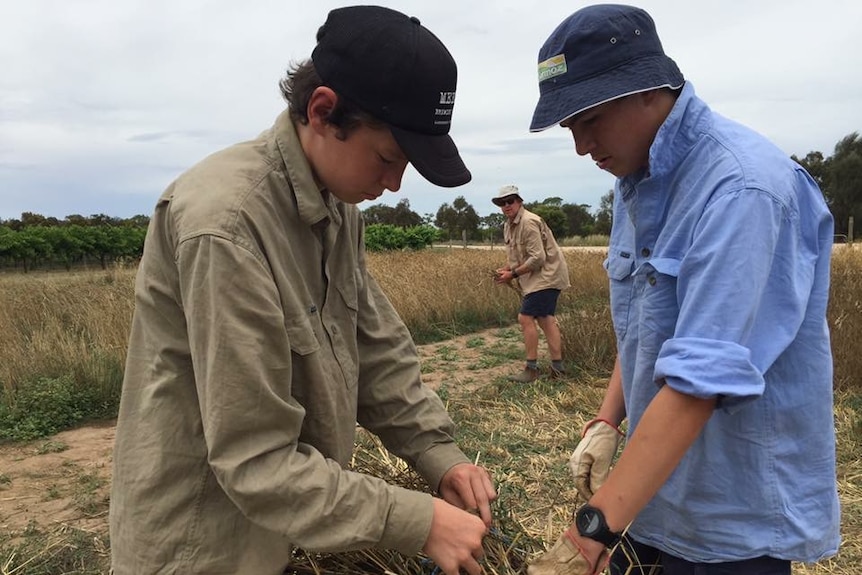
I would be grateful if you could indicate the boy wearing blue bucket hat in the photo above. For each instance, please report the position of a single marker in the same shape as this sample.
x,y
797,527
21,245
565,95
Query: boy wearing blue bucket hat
x,y
718,266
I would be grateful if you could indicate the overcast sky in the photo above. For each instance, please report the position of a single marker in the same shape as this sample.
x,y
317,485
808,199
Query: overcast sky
x,y
104,102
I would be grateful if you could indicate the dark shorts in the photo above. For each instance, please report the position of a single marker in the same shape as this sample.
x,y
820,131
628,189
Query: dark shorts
x,y
540,303
630,552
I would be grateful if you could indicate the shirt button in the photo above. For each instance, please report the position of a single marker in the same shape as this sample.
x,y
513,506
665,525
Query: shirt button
x,y
651,280
645,252
334,328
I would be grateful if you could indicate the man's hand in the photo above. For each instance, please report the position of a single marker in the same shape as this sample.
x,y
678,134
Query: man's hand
x,y
591,461
455,539
469,487
502,275
571,555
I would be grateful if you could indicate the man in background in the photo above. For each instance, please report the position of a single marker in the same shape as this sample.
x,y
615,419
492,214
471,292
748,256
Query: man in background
x,y
535,262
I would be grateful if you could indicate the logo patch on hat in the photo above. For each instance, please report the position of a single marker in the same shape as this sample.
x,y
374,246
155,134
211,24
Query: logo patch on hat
x,y
551,67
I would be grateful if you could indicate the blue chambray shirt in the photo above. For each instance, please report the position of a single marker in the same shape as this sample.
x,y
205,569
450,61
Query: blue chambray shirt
x,y
719,272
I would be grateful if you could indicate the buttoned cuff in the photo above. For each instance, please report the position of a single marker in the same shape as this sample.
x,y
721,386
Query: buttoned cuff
x,y
440,458
409,521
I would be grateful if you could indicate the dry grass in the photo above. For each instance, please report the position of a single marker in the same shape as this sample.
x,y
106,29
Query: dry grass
x,y
528,460
61,324
845,317
442,293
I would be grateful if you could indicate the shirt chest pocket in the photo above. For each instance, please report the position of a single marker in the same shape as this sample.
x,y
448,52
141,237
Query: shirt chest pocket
x,y
301,335
619,267
657,286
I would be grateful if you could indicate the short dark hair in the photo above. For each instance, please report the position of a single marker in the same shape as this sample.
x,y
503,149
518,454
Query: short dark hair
x,y
299,84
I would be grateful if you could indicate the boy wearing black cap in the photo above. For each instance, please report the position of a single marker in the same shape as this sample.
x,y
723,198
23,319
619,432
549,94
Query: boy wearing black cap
x,y
259,339
719,272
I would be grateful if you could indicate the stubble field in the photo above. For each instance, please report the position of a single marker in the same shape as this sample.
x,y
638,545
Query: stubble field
x,y
72,327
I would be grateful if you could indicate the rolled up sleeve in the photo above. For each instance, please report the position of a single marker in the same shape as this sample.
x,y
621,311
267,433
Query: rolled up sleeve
x,y
737,311
688,366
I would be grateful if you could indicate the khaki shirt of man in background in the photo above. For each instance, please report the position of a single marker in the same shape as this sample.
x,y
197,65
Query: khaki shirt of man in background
x,y
536,263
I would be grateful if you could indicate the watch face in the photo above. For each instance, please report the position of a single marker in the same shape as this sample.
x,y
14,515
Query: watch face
x,y
588,522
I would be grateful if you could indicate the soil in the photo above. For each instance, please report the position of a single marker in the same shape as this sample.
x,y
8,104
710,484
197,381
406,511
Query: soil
x,y
65,479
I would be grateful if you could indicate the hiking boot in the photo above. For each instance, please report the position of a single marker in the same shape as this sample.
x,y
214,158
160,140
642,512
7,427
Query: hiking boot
x,y
525,376
557,373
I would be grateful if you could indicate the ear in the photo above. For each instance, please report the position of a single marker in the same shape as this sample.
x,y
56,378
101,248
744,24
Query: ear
x,y
658,103
320,105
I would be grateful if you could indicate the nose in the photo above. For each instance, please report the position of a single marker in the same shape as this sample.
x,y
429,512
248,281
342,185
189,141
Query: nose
x,y
392,176
583,140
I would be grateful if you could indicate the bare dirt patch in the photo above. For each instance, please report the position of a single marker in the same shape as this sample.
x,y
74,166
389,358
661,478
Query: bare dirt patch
x,y
61,480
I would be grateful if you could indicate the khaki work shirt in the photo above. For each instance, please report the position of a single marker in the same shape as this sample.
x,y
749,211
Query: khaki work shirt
x,y
529,242
259,340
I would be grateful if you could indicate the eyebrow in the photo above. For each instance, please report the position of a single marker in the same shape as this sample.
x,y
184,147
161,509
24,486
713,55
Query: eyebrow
x,y
396,153
570,121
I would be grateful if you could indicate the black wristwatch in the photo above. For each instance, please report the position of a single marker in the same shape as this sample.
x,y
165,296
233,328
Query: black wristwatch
x,y
591,523
514,273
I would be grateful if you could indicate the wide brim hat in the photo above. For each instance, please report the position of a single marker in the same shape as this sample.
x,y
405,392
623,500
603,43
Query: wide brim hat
x,y
598,54
505,193
400,73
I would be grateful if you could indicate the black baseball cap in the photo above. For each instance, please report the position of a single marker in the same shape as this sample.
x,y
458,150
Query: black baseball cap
x,y
395,69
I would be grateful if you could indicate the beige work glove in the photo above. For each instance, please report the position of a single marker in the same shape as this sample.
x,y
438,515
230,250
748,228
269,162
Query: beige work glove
x,y
591,461
564,558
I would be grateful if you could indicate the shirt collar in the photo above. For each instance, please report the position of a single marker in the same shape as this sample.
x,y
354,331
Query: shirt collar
x,y
313,201
688,119
517,219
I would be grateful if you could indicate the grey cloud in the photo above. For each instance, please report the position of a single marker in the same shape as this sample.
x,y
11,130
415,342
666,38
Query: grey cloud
x,y
169,135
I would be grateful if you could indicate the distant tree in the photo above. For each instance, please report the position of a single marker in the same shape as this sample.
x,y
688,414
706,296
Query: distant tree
x,y
139,221
492,226
814,164
77,220
14,224
377,214
580,221
605,214
457,218
840,179
842,182
30,219
11,248
405,217
401,215
35,246
104,220
553,215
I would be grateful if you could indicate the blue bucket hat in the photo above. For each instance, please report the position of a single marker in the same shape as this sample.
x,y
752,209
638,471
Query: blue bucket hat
x,y
599,53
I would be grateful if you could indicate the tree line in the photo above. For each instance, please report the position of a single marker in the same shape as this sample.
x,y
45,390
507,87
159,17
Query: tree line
x,y
38,242
35,241
460,219
840,178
